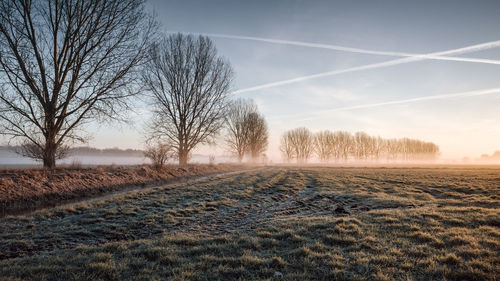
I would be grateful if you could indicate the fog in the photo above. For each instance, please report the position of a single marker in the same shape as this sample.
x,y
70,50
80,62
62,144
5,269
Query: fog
x,y
9,159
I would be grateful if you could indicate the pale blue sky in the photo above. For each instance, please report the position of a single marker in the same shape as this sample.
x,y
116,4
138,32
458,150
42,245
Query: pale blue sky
x,y
462,126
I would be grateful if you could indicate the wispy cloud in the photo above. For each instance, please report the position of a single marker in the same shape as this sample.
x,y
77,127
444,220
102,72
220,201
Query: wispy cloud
x,y
319,95
403,101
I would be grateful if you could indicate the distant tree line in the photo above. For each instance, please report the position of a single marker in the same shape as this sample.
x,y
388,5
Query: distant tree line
x,y
494,157
89,151
340,146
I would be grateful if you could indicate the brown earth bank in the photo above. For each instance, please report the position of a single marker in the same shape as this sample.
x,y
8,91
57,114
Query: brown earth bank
x,y
27,190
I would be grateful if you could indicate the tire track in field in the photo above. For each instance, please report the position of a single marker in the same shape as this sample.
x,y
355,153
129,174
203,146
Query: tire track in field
x,y
130,216
290,194
228,219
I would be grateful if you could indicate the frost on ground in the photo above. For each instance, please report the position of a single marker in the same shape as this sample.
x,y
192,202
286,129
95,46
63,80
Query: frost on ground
x,y
304,223
23,191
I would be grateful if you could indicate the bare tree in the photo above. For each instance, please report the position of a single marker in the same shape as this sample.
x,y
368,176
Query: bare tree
x,y
361,145
344,141
286,147
64,64
258,135
34,151
189,84
301,142
237,126
159,153
378,147
324,145
247,130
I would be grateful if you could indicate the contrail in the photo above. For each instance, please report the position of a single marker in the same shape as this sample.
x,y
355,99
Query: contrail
x,y
473,48
412,100
347,49
408,57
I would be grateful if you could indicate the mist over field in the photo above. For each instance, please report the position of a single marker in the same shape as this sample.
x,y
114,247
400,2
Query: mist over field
x,y
10,159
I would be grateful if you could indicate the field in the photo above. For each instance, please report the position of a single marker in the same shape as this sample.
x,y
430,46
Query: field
x,y
25,190
274,223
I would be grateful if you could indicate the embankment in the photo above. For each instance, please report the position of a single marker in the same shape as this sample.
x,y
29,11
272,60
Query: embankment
x,y
27,190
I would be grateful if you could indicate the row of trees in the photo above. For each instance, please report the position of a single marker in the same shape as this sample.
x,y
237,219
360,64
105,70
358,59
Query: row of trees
x,y
245,129
189,86
64,64
301,144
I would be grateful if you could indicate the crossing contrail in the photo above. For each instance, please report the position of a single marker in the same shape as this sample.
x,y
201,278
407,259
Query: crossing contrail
x,y
473,48
347,49
404,101
407,57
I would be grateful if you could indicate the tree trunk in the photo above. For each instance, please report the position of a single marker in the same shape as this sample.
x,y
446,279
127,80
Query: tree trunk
x,y
183,157
49,154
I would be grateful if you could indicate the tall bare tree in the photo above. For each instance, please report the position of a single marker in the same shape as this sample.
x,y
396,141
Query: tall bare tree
x,y
361,145
286,147
258,135
301,142
378,147
64,63
344,143
237,126
324,145
189,84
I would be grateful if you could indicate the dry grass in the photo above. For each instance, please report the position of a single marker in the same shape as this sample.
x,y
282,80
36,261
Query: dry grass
x,y
30,189
281,223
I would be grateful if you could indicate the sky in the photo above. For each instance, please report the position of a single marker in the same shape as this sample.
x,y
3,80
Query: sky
x,y
453,101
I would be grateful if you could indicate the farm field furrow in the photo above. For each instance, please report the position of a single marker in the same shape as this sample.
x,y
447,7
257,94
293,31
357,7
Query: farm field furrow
x,y
273,223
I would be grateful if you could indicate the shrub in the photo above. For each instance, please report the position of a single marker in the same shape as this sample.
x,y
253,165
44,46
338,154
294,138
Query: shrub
x,y
159,153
